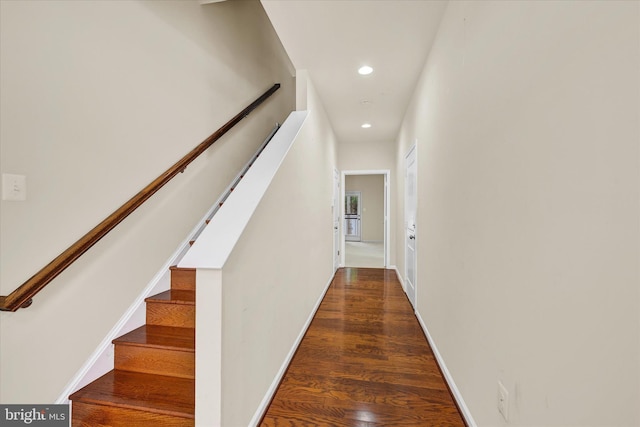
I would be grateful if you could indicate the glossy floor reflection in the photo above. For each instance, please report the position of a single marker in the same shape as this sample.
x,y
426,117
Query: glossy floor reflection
x,y
364,362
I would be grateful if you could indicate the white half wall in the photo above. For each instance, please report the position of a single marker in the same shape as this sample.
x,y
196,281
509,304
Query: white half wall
x,y
269,250
278,269
527,119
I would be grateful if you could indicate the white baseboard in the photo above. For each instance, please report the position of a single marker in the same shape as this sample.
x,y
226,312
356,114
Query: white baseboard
x,y
266,400
447,375
400,279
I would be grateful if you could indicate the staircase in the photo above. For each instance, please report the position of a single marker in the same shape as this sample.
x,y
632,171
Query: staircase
x,y
153,380
154,377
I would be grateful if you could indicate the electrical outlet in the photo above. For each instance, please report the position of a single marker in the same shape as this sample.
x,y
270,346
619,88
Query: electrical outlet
x,y
503,401
14,187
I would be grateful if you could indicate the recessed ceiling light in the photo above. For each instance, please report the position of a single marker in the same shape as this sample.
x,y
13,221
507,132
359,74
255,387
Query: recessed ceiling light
x,y
365,69
366,125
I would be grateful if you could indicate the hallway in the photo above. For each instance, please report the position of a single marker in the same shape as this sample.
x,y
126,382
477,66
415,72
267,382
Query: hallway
x,y
364,361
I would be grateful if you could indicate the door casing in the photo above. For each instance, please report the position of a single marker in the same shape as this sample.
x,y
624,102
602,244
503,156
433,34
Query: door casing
x,y
336,219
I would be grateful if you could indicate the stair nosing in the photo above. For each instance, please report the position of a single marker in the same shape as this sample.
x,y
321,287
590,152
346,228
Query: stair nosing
x,y
175,302
154,299
78,397
157,346
175,267
109,404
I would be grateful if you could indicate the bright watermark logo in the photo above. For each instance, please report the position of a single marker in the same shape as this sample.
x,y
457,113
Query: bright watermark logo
x,y
35,415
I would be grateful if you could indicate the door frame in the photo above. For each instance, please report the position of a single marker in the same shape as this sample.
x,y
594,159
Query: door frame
x,y
337,229
387,208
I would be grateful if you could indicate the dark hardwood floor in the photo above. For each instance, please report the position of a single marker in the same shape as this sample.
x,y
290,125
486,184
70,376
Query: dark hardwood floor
x,y
364,362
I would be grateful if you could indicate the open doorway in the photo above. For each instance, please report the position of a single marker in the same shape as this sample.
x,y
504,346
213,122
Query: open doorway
x,y
365,212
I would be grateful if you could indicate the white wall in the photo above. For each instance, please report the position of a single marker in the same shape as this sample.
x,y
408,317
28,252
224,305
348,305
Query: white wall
x,y
366,155
371,188
278,269
97,99
527,121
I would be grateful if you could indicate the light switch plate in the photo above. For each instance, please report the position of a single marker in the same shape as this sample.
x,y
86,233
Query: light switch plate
x,y
14,187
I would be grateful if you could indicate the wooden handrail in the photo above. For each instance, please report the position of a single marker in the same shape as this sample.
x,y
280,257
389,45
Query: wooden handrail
x,y
22,297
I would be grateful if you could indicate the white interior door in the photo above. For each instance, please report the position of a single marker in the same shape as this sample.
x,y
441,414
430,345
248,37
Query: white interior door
x,y
410,208
336,219
352,216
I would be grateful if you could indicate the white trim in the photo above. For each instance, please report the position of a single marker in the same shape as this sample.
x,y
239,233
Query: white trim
x,y
387,219
266,400
219,237
447,375
336,200
400,279
387,204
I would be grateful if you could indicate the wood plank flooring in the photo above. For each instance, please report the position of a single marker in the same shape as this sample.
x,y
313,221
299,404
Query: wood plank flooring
x,y
364,362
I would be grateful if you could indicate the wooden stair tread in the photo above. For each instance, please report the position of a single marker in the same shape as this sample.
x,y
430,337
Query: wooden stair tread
x,y
174,296
145,392
165,337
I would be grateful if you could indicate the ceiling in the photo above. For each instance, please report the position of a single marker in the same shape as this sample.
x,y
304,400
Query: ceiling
x,y
331,39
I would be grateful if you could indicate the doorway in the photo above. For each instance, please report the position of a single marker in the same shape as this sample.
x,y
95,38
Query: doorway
x,y
365,218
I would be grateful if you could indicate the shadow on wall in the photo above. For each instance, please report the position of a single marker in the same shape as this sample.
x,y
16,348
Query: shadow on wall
x,y
211,36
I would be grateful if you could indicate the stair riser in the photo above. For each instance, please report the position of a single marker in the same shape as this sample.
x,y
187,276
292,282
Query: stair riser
x,y
183,280
88,415
155,361
180,315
